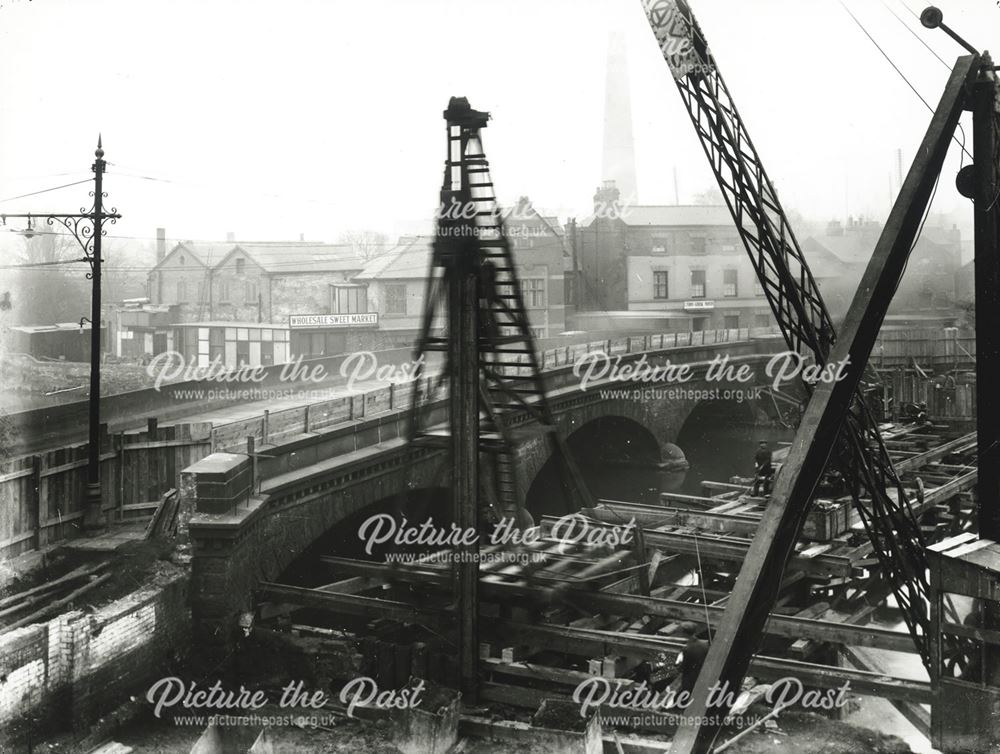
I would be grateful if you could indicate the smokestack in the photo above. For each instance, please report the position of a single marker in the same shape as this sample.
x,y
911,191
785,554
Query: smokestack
x,y
302,236
618,163
230,237
161,244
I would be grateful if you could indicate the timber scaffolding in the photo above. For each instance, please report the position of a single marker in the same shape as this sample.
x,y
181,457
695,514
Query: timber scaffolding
x,y
555,612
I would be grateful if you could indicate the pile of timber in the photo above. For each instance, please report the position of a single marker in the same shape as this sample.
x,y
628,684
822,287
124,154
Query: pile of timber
x,y
40,602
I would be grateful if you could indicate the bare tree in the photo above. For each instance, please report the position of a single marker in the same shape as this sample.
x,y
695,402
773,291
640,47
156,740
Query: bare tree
x,y
367,244
44,244
40,292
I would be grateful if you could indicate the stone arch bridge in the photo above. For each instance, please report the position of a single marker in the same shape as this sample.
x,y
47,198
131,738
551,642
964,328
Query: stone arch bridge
x,y
251,518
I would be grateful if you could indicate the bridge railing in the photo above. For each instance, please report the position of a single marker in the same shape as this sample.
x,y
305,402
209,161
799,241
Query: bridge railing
x,y
275,426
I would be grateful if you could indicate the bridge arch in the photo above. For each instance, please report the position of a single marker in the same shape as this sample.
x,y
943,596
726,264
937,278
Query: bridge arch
x,y
719,437
368,533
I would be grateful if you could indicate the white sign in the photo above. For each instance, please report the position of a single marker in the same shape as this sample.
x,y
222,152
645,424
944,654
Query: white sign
x,y
698,305
333,320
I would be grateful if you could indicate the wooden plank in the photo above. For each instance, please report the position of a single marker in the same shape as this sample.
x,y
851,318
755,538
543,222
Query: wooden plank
x,y
919,717
347,603
585,642
730,549
947,544
739,524
964,443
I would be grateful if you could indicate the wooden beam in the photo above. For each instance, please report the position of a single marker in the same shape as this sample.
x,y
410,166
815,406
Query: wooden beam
x,y
584,642
632,605
757,585
351,604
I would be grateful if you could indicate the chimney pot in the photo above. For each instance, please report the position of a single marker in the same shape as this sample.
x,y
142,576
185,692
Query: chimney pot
x,y
161,244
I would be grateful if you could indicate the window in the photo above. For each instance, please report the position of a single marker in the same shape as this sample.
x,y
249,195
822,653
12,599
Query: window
x,y
538,332
659,245
697,284
698,244
534,292
267,352
660,284
348,299
762,320
216,344
250,293
395,299
181,292
241,265
223,292
758,289
729,283
731,321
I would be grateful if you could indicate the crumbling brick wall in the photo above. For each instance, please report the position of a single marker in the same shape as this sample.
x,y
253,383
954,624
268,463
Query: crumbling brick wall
x,y
67,671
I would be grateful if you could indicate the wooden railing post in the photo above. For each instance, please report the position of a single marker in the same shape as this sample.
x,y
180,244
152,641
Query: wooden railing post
x,y
36,498
252,454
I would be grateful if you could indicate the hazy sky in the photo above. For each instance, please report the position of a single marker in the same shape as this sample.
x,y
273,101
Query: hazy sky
x,y
315,116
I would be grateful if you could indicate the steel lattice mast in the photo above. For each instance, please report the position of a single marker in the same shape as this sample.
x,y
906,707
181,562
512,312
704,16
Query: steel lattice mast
x,y
795,299
491,374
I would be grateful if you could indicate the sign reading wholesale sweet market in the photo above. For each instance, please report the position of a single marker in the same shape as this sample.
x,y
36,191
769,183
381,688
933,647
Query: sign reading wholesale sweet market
x,y
367,319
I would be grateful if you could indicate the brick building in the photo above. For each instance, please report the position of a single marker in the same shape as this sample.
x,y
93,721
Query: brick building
x,y
266,303
687,262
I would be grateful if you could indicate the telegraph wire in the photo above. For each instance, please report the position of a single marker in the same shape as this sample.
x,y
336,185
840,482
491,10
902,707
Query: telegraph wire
x,y
28,265
934,53
897,69
918,37
45,191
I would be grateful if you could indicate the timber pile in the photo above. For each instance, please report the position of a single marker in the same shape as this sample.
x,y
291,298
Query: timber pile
x,y
40,602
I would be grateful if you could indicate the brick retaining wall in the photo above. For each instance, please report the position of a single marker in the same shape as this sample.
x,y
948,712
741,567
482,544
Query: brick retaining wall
x,y
71,669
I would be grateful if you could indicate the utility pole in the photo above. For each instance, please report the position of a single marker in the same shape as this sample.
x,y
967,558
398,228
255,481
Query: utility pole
x,y
987,272
87,227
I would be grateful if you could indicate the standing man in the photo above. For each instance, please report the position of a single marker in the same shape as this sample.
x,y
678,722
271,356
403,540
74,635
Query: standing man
x,y
764,469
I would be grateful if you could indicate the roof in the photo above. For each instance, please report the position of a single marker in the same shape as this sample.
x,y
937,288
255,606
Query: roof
x,y
678,215
823,263
234,323
285,258
281,257
57,327
206,254
850,248
407,260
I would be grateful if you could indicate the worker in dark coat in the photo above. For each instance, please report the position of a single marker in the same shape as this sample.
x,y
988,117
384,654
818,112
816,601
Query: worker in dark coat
x,y
763,470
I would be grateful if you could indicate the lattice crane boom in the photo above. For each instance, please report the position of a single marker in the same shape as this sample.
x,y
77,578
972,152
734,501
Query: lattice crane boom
x,y
798,306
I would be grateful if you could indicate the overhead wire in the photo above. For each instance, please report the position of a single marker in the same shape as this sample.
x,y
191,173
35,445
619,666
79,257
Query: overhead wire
x,y
934,53
45,191
897,69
